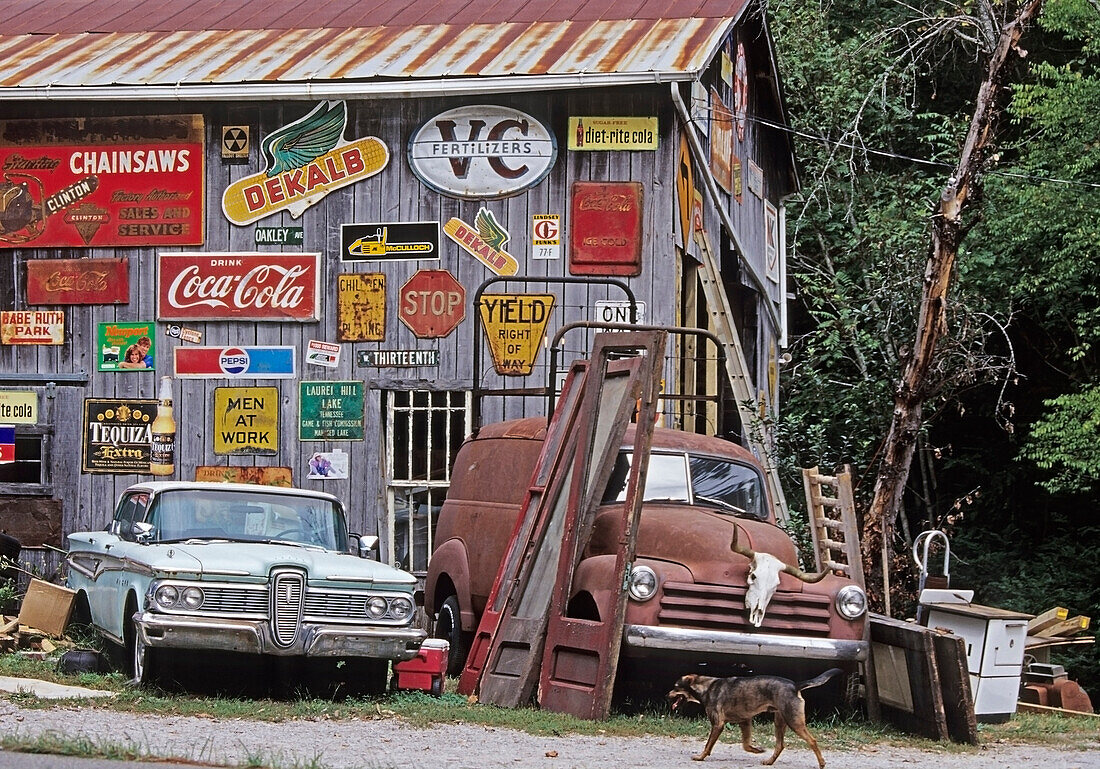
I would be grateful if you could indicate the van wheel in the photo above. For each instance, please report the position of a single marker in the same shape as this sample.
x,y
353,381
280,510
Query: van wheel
x,y
448,626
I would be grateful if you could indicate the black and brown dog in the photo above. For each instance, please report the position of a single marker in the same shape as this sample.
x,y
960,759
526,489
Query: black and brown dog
x,y
736,700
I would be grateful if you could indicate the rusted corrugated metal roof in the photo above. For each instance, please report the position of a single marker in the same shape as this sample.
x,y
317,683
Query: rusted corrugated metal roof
x,y
286,47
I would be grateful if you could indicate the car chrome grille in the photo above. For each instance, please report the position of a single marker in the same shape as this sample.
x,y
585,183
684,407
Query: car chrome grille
x,y
232,600
287,599
718,607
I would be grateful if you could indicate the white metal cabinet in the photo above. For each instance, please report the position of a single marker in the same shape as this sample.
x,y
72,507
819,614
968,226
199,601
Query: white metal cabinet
x,y
994,653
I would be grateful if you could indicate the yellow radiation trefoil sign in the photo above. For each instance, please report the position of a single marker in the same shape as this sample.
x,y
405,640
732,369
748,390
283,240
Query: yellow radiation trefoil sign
x,y
515,325
306,160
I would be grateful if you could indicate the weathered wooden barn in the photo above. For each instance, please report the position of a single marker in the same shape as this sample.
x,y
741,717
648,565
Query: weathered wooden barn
x,y
290,211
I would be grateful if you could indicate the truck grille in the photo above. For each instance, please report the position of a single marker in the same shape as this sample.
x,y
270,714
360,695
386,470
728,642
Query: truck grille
x,y
287,598
719,607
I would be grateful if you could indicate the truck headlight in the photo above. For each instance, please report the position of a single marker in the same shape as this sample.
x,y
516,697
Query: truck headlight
x,y
851,602
642,584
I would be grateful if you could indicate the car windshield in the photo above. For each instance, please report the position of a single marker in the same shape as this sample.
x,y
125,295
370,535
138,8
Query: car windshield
x,y
707,481
181,514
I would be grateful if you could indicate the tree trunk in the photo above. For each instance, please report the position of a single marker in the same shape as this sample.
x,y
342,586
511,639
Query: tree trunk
x,y
948,232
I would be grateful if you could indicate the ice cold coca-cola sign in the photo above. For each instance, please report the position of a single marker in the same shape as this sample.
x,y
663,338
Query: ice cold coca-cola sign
x,y
212,286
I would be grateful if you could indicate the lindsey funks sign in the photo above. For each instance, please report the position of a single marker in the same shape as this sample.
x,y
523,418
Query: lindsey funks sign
x,y
482,151
231,286
306,160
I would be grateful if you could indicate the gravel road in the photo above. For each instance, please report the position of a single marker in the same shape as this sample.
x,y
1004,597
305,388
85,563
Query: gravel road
x,y
385,742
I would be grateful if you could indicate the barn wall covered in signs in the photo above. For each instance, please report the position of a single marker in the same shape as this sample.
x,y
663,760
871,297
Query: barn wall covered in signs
x,y
334,322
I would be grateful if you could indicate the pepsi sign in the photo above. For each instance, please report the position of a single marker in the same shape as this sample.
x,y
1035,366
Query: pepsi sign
x,y
275,362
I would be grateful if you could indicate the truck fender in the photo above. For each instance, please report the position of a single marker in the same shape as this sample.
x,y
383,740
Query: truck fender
x,y
451,561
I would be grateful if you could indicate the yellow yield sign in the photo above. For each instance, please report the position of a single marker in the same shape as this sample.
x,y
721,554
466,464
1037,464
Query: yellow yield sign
x,y
515,325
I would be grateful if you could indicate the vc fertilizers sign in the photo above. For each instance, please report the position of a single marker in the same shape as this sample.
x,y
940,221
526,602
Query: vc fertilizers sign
x,y
482,151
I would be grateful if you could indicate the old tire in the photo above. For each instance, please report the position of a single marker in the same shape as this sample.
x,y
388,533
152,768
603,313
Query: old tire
x,y
143,660
448,626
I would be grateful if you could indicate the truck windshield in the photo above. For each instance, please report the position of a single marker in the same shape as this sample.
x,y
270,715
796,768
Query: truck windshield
x,y
697,480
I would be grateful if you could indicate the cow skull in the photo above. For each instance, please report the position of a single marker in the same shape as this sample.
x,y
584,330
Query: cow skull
x,y
763,580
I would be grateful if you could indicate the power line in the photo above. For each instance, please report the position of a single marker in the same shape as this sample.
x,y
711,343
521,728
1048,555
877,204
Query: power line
x,y
909,158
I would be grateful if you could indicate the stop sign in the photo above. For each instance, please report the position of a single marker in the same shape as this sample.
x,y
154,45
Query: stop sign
x,y
432,303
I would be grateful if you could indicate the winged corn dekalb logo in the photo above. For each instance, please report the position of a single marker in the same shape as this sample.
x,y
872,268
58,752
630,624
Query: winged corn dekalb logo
x,y
484,241
306,160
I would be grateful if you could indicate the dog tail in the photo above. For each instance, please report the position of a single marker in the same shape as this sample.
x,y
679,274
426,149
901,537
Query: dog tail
x,y
821,679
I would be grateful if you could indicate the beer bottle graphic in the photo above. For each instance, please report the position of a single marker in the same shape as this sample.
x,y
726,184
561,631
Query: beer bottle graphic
x,y
162,456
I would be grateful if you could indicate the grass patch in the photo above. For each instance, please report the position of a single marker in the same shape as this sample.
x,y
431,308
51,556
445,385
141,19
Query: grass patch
x,y
422,710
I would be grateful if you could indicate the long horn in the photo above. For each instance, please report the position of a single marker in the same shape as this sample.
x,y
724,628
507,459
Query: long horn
x,y
794,571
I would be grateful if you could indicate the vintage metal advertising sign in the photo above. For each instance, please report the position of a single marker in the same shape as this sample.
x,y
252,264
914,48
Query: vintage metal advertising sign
x,y
606,234
485,241
721,142
330,411
267,476
361,307
19,407
613,133
126,347
482,151
275,362
545,236
433,303
127,181
306,160
32,327
78,281
238,286
246,420
117,435
389,241
515,325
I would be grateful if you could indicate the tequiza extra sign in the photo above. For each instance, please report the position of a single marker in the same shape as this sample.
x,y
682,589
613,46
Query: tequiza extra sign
x,y
482,151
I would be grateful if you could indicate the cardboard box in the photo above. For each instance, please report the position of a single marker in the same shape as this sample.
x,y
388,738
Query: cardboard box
x,y
47,607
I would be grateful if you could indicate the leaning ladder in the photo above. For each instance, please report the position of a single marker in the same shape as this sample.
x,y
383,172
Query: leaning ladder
x,y
832,519
721,318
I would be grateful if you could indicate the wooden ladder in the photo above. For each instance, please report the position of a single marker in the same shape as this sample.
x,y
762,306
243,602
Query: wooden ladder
x,y
832,519
744,392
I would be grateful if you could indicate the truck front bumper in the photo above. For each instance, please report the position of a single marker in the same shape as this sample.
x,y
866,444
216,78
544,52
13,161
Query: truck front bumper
x,y
640,640
253,637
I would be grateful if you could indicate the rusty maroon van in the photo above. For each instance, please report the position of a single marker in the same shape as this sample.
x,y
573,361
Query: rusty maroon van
x,y
689,592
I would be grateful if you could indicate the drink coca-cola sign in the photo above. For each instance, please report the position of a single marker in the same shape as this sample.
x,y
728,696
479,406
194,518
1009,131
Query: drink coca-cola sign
x,y
238,286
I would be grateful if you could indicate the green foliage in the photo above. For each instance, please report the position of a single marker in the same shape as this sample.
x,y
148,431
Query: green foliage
x,y
1067,440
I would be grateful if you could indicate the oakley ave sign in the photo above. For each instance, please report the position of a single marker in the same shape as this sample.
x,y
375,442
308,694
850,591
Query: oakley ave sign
x,y
482,151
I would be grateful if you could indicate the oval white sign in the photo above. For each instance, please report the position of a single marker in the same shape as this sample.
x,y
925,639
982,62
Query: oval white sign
x,y
482,151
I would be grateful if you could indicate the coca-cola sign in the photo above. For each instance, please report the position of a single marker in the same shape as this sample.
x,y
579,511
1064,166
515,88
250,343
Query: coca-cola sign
x,y
238,286
78,281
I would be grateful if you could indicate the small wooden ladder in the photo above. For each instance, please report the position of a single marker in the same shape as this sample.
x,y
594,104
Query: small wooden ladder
x,y
832,519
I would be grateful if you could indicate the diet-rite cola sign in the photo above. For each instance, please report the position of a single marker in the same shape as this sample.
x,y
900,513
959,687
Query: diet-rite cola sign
x,y
306,160
482,151
245,286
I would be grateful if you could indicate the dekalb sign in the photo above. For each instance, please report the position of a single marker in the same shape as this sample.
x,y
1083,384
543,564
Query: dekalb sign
x,y
306,160
482,151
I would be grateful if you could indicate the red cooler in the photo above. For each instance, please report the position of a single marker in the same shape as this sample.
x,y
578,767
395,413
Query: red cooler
x,y
424,672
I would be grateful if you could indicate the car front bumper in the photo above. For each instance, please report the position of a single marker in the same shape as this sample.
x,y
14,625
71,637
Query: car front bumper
x,y
172,631
641,640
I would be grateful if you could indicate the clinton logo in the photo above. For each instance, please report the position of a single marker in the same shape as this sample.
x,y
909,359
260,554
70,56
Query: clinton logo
x,y
233,361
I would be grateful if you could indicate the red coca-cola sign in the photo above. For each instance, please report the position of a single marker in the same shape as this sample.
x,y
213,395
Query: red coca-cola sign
x,y
78,281
231,286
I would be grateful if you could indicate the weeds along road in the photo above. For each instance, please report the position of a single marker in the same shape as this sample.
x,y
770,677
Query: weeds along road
x,y
386,742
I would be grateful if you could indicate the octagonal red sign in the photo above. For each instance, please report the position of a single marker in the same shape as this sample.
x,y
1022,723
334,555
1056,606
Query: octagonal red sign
x,y
433,303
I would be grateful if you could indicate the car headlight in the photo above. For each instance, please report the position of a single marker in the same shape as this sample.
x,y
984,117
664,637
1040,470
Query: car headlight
x,y
193,597
167,596
401,607
643,583
851,602
376,607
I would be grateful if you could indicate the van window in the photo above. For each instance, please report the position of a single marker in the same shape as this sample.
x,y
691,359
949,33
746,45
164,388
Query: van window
x,y
698,480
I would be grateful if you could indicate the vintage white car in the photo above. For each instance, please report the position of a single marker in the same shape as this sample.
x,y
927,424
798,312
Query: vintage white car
x,y
233,568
